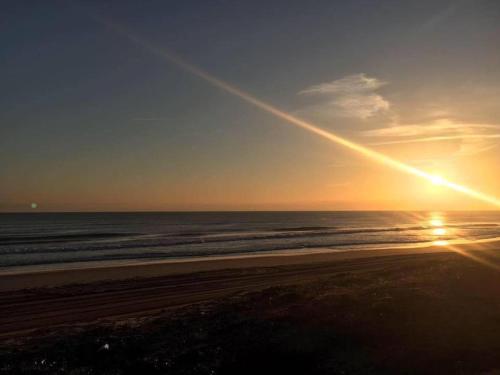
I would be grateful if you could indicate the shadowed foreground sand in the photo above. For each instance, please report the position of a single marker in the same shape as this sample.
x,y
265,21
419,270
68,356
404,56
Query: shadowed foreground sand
x,y
393,311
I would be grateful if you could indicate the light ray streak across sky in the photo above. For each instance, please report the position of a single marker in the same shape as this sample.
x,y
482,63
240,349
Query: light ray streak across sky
x,y
291,119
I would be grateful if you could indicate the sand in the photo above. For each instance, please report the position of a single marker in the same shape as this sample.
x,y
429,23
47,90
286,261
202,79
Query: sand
x,y
414,311
37,277
45,299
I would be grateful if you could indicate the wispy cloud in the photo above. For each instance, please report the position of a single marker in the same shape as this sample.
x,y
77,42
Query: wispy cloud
x,y
352,96
440,138
436,127
473,138
352,84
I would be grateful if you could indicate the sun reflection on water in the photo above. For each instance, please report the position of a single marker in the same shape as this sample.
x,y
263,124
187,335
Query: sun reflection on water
x,y
441,243
439,231
436,222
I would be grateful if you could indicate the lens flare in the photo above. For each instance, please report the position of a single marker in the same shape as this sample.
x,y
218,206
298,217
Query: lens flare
x,y
293,120
474,257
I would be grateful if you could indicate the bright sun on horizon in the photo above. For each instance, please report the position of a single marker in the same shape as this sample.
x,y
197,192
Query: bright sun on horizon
x,y
438,180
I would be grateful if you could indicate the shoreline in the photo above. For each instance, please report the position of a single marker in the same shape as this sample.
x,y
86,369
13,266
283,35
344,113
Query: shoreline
x,y
29,277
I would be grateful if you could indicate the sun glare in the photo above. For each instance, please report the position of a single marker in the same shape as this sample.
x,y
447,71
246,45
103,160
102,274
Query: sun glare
x,y
439,231
437,180
436,222
441,243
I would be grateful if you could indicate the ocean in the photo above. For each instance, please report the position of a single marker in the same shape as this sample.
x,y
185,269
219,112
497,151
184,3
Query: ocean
x,y
50,239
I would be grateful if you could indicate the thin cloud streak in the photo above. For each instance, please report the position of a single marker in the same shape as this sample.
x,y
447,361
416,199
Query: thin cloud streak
x,y
441,138
474,138
439,18
440,126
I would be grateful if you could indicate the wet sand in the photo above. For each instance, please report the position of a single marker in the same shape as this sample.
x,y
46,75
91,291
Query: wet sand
x,y
16,278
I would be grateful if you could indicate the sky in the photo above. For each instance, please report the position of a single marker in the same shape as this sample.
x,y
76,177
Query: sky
x,y
92,121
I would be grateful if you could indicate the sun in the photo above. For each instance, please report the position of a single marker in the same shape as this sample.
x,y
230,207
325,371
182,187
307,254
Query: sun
x,y
437,180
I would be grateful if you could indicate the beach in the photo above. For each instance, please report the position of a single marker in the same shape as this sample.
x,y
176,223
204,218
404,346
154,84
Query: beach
x,y
250,187
420,307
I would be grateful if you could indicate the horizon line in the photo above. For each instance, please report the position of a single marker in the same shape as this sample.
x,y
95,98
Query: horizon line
x,y
240,211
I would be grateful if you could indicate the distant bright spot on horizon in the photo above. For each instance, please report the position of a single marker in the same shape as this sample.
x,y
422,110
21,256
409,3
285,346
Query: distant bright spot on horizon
x,y
34,205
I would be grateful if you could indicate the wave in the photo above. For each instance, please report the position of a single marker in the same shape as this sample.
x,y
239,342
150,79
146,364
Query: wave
x,y
158,255
113,241
293,229
16,239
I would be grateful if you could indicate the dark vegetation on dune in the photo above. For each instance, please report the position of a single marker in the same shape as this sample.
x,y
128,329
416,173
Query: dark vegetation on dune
x,y
439,317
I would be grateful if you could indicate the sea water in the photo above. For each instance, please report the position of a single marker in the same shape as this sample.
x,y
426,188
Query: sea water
x,y
68,238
